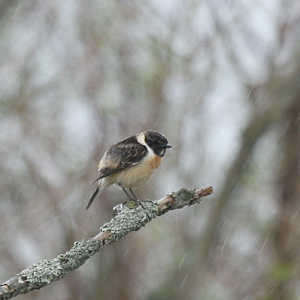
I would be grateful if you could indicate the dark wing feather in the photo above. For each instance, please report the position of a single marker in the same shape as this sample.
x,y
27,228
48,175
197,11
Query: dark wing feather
x,y
121,156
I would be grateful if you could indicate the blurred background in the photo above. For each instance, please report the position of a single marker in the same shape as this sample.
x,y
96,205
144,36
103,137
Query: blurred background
x,y
220,79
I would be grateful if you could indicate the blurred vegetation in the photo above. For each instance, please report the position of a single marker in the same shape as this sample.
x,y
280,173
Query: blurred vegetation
x,y
219,78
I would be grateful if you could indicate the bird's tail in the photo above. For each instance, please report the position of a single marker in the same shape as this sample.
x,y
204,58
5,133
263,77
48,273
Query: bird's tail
x,y
102,184
92,199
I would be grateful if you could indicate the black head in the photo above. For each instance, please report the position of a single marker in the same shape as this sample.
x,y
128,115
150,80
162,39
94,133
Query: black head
x,y
157,142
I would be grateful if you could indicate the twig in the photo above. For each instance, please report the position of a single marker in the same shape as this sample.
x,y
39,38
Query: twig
x,y
126,220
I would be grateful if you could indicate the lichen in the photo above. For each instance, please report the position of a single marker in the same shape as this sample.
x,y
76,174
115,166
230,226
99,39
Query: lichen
x,y
131,218
43,272
183,196
46,271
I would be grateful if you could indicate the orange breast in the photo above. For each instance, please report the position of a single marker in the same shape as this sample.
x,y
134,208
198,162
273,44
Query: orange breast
x,y
155,162
136,175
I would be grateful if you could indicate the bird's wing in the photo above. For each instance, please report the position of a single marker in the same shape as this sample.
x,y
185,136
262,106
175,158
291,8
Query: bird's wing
x,y
119,157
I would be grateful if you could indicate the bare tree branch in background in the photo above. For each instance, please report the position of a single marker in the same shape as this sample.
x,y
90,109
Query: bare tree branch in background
x,y
126,220
283,108
285,235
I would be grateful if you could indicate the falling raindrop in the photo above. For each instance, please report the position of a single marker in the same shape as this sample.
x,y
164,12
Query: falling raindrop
x,y
296,269
183,281
263,246
274,210
86,221
274,287
125,253
17,9
294,252
250,91
252,212
223,246
198,98
183,259
157,121
296,213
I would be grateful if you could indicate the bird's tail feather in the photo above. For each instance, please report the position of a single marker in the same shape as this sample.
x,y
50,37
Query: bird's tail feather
x,y
92,199
99,189
102,184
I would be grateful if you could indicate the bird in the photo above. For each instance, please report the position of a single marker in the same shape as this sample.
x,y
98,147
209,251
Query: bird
x,y
131,162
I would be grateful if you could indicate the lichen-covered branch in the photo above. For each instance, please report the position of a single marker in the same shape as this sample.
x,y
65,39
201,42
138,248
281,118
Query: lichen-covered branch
x,y
129,217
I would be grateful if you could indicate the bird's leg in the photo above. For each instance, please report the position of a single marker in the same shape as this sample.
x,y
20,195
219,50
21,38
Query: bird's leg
x,y
129,196
133,194
135,199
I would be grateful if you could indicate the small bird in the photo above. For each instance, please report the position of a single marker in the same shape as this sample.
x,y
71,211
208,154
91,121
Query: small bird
x,y
131,162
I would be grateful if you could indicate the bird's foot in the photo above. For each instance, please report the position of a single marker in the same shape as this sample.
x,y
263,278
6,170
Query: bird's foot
x,y
134,203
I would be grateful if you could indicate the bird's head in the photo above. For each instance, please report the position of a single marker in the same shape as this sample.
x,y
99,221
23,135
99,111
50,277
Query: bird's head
x,y
157,142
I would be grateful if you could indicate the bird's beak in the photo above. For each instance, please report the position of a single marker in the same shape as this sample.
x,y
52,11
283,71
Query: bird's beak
x,y
167,146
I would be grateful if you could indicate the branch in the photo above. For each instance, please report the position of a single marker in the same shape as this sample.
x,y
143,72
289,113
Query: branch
x,y
129,217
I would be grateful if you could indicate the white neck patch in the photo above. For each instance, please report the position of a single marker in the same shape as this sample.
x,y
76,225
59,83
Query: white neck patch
x,y
141,140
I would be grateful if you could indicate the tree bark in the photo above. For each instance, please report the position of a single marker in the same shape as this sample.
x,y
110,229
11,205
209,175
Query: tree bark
x,y
129,217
